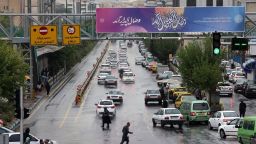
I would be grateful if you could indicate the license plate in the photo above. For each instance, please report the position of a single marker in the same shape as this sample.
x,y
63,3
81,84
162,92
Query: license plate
x,y
201,114
174,117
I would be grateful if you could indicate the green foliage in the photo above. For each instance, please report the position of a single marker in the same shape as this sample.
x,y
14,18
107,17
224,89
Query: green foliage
x,y
12,74
198,66
163,47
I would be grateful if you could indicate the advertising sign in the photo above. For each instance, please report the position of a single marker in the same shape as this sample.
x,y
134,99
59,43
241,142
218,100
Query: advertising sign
x,y
43,35
170,19
71,35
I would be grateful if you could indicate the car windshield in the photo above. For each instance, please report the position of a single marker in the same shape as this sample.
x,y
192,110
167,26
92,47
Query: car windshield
x,y
105,65
110,77
153,92
200,106
230,114
115,92
180,89
105,103
103,74
188,98
172,111
128,74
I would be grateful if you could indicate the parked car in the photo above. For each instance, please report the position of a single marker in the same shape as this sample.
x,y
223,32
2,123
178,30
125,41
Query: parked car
x,y
14,138
128,77
221,118
152,95
224,88
110,81
229,129
176,90
250,90
164,75
198,110
138,60
238,87
5,130
101,78
247,130
168,116
109,104
115,96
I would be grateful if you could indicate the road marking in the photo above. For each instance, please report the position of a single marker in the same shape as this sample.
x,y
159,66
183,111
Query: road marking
x,y
66,115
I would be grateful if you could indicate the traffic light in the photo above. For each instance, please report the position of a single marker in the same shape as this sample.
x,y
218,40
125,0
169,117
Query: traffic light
x,y
17,104
216,43
240,44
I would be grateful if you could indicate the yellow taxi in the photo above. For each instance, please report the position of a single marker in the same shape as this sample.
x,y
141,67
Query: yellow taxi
x,y
153,66
173,92
181,98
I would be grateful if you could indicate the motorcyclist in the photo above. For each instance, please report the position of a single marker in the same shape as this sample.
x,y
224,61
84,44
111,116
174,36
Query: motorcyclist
x,y
121,72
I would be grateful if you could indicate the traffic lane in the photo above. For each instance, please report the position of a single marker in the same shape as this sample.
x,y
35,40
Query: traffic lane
x,y
53,112
232,103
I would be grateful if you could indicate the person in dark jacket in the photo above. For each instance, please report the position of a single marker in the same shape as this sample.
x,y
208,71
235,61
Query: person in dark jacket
x,y
242,108
105,118
126,131
26,136
47,87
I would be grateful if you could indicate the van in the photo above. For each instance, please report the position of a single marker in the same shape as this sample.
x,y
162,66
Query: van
x,y
197,110
247,130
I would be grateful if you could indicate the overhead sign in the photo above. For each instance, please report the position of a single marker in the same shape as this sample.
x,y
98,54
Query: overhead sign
x,y
170,19
71,34
43,35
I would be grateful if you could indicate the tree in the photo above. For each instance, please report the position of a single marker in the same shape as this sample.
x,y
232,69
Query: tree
x,y
200,68
12,75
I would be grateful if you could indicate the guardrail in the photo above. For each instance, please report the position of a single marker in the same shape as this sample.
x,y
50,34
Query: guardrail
x,y
81,88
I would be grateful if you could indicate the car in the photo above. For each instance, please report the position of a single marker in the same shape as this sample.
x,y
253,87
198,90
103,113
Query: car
x,y
182,98
246,130
229,129
128,77
176,94
195,111
238,87
152,66
115,96
101,78
152,95
138,60
174,90
123,65
221,118
110,81
109,104
236,75
168,116
14,138
5,130
105,68
224,88
250,90
129,44
113,63
164,75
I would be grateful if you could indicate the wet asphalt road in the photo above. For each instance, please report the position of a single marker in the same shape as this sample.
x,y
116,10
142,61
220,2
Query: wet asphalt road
x,y
57,118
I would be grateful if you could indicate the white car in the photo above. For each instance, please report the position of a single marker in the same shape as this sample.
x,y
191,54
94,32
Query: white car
x,y
229,129
115,96
109,104
128,77
221,118
236,75
168,116
224,88
123,66
14,138
101,78
113,63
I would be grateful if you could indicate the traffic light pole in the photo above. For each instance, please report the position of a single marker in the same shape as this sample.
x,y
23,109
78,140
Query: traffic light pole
x,y
21,115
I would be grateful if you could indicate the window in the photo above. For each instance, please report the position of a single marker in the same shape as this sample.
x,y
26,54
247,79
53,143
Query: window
x,y
219,2
209,3
233,122
191,2
14,138
230,114
172,111
200,106
176,3
218,115
161,112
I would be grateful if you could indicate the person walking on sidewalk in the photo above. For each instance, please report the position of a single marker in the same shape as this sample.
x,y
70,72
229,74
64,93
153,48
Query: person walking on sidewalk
x,y
242,108
47,87
126,131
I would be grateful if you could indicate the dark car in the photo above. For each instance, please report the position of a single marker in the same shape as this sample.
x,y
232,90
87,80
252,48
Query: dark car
x,y
110,81
238,87
152,95
250,90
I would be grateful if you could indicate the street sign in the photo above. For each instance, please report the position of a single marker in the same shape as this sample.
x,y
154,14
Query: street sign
x,y
43,35
71,35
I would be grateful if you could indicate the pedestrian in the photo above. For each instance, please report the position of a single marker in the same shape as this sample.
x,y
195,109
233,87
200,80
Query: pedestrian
x,y
26,136
242,108
165,103
47,87
105,118
126,131
161,90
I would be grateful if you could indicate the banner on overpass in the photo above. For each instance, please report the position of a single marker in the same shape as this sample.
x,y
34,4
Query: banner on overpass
x,y
170,19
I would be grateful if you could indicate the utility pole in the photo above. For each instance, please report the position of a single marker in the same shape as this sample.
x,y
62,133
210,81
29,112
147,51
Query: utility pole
x,y
21,115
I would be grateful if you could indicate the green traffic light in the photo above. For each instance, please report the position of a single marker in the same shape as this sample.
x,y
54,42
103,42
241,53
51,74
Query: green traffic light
x,y
216,51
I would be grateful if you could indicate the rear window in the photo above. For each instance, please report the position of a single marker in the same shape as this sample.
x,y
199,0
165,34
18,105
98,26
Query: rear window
x,y
200,106
105,103
153,92
230,114
240,74
172,111
224,84
115,92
